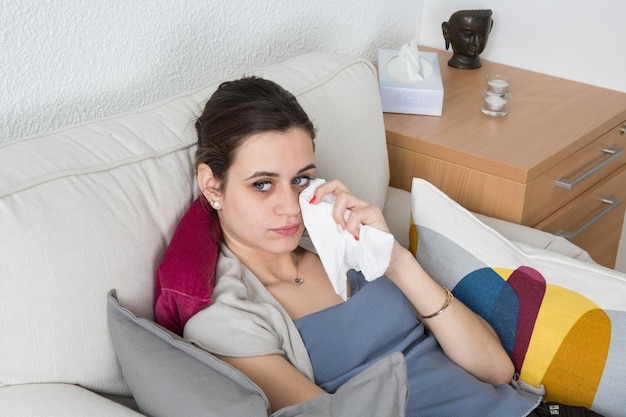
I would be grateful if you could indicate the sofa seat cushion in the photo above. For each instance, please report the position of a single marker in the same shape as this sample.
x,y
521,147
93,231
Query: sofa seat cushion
x,y
562,320
58,400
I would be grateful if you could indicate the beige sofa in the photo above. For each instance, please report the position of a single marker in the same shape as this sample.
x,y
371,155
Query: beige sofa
x,y
92,207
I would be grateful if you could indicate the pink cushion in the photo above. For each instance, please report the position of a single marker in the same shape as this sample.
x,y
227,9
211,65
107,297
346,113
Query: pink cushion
x,y
186,275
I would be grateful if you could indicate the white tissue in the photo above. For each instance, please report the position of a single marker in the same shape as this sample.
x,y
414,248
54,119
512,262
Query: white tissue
x,y
338,250
409,66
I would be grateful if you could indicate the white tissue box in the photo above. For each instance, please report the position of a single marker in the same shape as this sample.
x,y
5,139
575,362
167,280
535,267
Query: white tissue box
x,y
412,97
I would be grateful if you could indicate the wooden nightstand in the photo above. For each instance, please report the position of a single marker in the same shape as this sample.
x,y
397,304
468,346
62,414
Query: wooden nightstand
x,y
556,162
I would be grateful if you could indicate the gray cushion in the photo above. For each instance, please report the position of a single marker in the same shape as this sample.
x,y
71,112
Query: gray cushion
x,y
169,377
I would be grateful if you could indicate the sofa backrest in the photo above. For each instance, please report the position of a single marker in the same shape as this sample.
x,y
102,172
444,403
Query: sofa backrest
x,y
92,207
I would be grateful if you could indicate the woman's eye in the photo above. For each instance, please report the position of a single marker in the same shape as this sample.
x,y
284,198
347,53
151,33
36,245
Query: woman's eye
x,y
302,181
262,185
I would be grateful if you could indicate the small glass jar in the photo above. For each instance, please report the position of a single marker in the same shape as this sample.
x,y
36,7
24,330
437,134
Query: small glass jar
x,y
497,95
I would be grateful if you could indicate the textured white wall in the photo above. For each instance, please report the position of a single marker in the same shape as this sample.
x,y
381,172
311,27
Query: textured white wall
x,y
65,61
574,39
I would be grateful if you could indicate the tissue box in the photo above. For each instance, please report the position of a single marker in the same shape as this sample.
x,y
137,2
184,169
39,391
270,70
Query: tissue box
x,y
413,97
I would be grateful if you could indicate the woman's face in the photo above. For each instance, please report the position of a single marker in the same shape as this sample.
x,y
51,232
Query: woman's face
x,y
259,207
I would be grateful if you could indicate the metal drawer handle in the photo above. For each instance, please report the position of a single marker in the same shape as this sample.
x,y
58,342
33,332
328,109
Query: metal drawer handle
x,y
613,203
567,183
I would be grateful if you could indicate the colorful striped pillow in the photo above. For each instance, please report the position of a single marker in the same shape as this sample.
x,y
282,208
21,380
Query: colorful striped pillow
x,y
563,321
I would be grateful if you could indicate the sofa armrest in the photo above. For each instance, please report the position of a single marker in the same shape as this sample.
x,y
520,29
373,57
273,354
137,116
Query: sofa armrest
x,y
397,212
536,238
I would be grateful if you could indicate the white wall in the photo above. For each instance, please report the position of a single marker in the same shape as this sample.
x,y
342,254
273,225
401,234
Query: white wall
x,y
574,39
65,61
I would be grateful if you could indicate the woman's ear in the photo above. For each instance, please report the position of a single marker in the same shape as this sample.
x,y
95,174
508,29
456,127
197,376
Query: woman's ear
x,y
208,184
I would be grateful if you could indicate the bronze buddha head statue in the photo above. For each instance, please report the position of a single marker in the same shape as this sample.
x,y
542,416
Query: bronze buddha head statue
x,y
467,31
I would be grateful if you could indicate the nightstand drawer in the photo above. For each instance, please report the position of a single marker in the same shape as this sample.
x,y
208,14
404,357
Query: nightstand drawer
x,y
594,220
576,174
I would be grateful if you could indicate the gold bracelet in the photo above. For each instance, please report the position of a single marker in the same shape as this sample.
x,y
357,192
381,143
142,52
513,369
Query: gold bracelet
x,y
449,298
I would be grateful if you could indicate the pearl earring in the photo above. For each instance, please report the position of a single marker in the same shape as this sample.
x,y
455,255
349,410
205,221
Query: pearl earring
x,y
214,203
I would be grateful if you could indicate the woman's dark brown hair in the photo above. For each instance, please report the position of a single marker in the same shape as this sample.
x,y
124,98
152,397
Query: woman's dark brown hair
x,y
239,109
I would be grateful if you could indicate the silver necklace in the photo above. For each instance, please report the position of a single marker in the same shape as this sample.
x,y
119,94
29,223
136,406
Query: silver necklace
x,y
298,280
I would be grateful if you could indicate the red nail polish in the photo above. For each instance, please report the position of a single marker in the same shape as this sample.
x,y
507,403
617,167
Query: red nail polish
x,y
312,200
356,237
